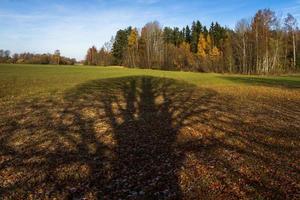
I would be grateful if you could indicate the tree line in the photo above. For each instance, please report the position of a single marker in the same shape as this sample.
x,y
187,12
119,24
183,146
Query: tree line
x,y
30,58
263,44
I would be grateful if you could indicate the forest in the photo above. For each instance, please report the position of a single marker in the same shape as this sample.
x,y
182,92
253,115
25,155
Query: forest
x,y
263,44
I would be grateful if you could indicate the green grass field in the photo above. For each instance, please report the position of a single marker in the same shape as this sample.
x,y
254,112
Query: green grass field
x,y
116,133
23,80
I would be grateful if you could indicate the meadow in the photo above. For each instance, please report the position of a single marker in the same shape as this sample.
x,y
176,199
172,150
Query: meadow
x,y
75,132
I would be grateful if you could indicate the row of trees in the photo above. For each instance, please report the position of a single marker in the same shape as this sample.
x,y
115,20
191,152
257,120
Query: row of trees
x,y
102,57
30,58
261,45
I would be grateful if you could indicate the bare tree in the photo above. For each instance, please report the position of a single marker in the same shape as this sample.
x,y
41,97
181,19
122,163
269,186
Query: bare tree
x,y
291,26
152,36
241,28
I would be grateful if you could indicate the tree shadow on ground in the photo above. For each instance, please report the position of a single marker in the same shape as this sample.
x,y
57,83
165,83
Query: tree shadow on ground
x,y
148,138
284,82
143,116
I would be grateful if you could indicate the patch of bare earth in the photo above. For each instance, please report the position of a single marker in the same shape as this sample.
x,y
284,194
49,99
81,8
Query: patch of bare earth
x,y
150,138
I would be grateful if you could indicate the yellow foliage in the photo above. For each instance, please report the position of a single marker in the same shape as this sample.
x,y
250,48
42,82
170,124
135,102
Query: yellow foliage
x,y
185,46
202,45
133,38
215,53
209,43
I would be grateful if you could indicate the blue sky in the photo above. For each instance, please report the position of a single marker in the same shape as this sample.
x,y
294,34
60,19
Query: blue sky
x,y
41,26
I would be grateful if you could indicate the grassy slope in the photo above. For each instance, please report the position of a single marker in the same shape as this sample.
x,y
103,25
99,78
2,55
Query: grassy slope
x,y
74,132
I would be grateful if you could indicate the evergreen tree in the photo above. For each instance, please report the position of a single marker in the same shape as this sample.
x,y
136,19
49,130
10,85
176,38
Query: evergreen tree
x,y
177,37
196,30
188,37
120,45
168,35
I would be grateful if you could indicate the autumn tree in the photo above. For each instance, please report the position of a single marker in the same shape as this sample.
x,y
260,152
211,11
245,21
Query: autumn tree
x,y
202,47
209,44
215,56
202,52
91,57
132,50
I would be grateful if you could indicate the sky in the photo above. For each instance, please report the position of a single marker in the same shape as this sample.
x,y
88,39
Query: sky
x,y
72,26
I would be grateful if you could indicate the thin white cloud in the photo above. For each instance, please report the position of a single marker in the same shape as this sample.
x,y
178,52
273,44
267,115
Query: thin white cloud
x,y
71,33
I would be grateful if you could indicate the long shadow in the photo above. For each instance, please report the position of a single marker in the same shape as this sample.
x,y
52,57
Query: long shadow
x,y
285,82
